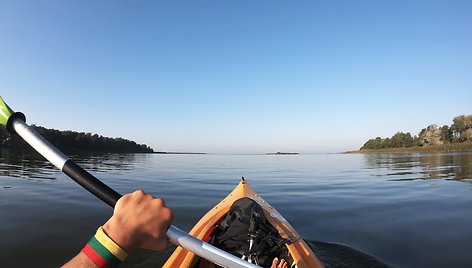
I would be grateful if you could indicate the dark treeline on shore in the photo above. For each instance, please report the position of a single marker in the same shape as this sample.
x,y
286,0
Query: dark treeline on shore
x,y
75,141
459,132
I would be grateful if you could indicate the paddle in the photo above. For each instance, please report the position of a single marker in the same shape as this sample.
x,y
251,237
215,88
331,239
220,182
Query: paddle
x,y
16,123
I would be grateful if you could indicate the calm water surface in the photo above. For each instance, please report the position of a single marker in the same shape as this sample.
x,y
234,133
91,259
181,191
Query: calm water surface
x,y
409,210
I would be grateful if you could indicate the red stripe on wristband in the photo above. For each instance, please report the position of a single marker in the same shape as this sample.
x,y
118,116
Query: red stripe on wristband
x,y
98,260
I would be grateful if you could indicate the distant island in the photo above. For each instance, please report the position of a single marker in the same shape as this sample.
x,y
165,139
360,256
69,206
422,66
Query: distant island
x,y
177,153
281,153
75,141
454,138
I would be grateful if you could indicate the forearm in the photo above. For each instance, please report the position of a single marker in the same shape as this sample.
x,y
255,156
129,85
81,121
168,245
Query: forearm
x,y
80,260
101,251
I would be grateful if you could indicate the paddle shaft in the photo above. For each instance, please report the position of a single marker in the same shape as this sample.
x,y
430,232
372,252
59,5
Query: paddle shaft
x,y
110,196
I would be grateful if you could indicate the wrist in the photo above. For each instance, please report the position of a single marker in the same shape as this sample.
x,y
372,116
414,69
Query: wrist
x,y
103,251
116,231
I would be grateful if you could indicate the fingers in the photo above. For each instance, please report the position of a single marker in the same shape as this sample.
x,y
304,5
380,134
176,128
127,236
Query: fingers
x,y
277,264
282,264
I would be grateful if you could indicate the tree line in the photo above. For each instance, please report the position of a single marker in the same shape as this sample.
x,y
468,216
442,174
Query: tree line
x,y
75,141
458,132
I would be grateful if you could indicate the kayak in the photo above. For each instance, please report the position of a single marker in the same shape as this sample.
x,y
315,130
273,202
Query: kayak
x,y
298,255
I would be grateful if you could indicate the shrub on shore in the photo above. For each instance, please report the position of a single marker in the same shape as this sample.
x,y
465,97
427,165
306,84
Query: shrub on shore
x,y
459,132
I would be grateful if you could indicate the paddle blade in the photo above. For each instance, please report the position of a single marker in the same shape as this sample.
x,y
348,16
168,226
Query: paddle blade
x,y
5,112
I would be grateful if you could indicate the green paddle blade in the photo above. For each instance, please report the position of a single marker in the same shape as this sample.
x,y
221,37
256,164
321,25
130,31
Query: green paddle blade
x,y
5,112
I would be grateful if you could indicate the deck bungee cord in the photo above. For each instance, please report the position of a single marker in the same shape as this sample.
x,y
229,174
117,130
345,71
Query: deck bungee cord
x,y
16,124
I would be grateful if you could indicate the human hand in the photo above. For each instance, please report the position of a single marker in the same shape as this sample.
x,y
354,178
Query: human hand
x,y
139,220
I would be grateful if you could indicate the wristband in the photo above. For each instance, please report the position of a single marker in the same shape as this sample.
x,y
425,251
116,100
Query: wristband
x,y
103,251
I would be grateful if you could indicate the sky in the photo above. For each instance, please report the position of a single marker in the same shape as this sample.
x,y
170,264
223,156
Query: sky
x,y
244,76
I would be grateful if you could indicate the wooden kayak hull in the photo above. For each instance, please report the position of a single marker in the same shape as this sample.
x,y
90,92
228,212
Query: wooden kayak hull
x,y
301,253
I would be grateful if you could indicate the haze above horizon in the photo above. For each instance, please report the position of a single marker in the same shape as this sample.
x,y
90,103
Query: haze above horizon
x,y
238,76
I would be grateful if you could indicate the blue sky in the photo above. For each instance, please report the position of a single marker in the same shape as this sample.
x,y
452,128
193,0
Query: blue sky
x,y
238,76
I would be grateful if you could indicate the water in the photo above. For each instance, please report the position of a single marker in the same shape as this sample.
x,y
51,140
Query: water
x,y
409,210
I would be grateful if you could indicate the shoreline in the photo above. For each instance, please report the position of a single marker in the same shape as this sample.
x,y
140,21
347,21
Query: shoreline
x,y
443,148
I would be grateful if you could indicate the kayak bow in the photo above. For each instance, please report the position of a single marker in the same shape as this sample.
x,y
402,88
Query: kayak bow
x,y
301,254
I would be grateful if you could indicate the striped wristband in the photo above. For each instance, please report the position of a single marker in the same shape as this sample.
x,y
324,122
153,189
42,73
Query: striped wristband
x,y
103,251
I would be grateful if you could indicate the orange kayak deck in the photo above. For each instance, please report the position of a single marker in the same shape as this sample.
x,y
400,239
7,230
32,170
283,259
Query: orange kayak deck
x,y
301,253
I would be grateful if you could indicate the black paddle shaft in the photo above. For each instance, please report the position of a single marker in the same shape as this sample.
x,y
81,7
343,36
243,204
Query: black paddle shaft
x,y
91,183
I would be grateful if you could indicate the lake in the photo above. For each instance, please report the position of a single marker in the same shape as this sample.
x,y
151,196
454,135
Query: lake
x,y
409,210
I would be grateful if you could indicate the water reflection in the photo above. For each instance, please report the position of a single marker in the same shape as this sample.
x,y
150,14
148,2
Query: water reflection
x,y
400,167
108,162
25,165
31,165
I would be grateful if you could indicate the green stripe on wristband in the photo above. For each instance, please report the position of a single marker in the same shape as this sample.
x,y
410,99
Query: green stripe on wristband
x,y
104,252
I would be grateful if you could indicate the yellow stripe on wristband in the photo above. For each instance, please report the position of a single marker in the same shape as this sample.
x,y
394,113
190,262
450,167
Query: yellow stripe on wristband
x,y
108,243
